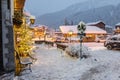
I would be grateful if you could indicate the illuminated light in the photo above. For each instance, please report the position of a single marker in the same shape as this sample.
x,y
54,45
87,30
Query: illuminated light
x,y
70,33
32,19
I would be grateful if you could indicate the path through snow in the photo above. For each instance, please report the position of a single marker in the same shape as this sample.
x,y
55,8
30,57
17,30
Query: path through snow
x,y
52,65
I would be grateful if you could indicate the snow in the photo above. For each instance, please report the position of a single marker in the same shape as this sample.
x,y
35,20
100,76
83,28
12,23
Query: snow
x,y
26,13
73,38
114,36
94,29
92,23
54,64
118,24
74,50
89,29
107,26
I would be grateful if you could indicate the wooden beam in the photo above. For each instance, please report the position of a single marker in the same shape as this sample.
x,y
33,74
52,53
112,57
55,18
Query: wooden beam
x,y
19,4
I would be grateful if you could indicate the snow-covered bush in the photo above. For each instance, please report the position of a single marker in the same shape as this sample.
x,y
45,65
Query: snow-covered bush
x,y
74,51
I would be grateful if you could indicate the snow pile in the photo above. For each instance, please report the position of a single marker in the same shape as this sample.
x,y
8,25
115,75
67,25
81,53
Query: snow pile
x,y
74,50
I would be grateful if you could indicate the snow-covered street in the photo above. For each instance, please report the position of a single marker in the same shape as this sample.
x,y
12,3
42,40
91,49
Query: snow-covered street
x,y
54,64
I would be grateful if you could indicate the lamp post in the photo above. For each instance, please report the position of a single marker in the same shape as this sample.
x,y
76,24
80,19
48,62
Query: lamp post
x,y
32,19
70,33
118,30
81,32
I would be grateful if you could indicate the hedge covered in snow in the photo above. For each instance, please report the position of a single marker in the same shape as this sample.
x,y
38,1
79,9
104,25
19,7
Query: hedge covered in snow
x,y
74,51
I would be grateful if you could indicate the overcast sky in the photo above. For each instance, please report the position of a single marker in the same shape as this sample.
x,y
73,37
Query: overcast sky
x,y
39,7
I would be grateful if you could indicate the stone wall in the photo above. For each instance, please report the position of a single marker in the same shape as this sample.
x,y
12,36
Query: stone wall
x,y
1,50
7,63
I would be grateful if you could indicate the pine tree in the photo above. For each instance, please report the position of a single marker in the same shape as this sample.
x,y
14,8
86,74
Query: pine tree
x,y
71,22
66,22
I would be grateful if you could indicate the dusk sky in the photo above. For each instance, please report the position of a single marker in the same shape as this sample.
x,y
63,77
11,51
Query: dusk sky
x,y
39,7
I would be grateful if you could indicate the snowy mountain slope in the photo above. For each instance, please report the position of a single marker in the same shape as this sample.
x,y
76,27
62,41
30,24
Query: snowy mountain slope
x,y
57,18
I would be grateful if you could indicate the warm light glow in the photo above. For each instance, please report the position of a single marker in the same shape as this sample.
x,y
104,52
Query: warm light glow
x,y
44,32
90,35
70,32
19,4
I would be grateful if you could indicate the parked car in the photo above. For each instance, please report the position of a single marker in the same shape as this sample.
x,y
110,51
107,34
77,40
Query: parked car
x,y
112,42
100,40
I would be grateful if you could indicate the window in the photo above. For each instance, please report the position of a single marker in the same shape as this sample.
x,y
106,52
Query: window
x,y
8,4
114,38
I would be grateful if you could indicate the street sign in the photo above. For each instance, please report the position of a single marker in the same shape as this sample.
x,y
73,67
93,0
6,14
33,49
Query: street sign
x,y
81,27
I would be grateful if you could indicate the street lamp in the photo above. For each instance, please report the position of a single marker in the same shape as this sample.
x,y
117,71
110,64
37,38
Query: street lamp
x,y
32,19
118,29
70,33
81,32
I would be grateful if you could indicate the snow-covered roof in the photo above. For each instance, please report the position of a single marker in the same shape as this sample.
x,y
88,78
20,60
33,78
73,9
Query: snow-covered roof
x,y
118,24
41,26
118,35
73,38
92,23
26,13
89,29
108,26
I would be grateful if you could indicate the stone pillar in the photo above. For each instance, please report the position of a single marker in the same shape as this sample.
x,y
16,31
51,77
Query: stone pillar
x,y
7,64
7,37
